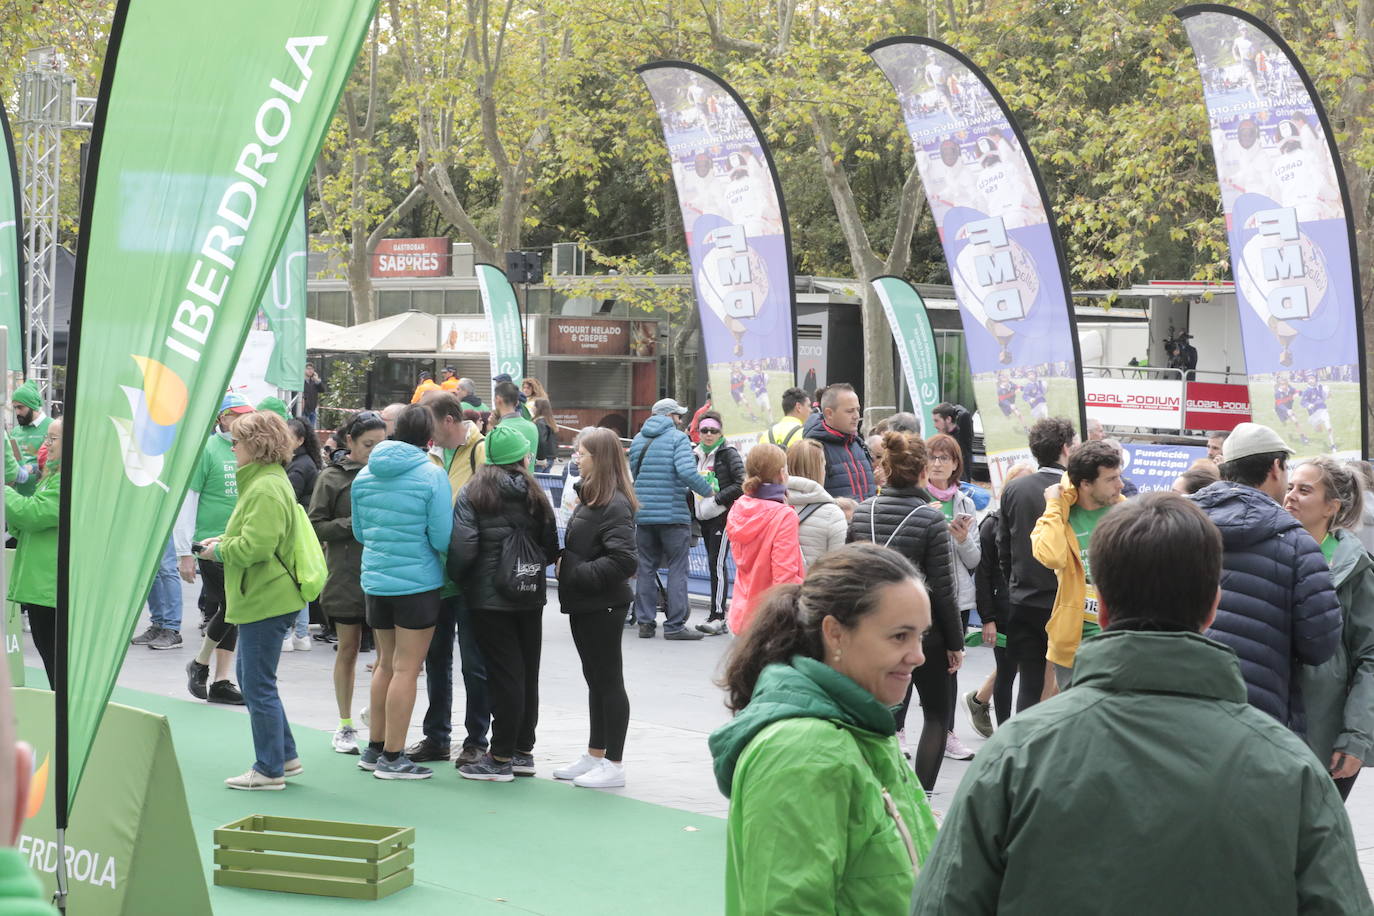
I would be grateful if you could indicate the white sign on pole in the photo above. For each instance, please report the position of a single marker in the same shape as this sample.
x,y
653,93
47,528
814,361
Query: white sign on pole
x,y
1150,403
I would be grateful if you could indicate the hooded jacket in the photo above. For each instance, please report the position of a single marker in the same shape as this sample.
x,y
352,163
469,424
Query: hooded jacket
x,y
664,469
810,766
331,514
1339,694
824,529
848,466
910,522
763,541
1278,608
257,549
1112,769
33,520
477,545
402,515
1029,583
988,583
1055,546
302,473
599,556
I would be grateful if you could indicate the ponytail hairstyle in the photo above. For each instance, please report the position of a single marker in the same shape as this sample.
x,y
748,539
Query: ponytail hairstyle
x,y
764,465
1341,484
309,441
845,584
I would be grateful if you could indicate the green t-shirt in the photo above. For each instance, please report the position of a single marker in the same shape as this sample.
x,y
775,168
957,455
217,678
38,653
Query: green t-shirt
x,y
1083,521
215,478
947,507
1328,546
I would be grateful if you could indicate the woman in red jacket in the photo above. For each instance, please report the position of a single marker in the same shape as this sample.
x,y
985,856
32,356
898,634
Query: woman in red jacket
x,y
762,530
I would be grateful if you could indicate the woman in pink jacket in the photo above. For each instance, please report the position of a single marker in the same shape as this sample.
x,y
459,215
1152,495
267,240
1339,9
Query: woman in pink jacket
x,y
762,530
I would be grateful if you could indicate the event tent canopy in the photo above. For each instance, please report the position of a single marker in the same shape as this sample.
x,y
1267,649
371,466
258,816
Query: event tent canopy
x,y
408,332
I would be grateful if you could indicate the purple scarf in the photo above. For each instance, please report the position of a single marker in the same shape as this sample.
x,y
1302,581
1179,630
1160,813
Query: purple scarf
x,y
775,491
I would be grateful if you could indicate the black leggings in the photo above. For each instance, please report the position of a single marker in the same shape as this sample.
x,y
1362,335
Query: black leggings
x,y
510,642
717,553
212,606
1002,684
43,629
932,684
954,678
597,637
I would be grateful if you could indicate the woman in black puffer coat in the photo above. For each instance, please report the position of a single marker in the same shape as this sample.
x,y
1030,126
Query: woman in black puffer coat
x,y
501,501
594,591
905,517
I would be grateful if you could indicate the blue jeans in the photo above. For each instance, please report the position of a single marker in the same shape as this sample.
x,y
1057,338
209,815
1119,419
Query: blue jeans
x,y
661,546
164,599
302,621
256,665
455,613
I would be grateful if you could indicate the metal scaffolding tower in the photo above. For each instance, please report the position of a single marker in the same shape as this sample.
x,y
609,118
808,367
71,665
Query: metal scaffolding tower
x,y
48,105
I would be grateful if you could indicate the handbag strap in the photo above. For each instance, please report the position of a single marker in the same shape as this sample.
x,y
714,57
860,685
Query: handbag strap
x,y
872,523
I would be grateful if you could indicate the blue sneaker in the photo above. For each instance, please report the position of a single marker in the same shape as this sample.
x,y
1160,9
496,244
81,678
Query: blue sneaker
x,y
522,764
369,758
401,768
489,769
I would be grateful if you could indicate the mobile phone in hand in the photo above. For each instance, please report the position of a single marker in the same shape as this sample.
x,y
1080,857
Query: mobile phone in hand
x,y
197,548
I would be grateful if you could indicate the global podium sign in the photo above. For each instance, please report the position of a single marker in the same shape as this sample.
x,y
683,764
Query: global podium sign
x,y
1148,403
1216,407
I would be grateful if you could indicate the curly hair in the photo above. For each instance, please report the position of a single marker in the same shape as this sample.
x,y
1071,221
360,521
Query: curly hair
x,y
263,437
904,459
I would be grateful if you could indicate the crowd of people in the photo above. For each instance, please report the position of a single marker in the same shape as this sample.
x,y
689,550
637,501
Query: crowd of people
x,y
1183,656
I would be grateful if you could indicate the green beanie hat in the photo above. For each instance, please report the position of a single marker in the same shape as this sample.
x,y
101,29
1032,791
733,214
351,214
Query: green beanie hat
x,y
506,445
27,394
276,405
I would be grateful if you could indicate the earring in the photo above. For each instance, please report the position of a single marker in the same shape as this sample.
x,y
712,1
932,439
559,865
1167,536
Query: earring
x,y
837,656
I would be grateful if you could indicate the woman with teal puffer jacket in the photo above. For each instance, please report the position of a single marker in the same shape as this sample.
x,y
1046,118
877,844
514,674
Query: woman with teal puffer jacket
x,y
825,814
402,515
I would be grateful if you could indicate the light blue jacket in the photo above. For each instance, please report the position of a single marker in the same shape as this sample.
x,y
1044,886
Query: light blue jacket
x,y
403,516
664,467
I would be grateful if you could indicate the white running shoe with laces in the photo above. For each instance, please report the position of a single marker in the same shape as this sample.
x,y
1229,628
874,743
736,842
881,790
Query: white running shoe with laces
x,y
346,740
584,764
605,775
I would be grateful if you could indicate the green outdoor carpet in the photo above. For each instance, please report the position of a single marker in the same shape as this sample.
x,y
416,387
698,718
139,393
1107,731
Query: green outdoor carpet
x,y
531,846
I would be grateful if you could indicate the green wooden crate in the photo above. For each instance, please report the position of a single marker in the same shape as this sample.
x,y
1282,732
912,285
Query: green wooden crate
x,y
303,856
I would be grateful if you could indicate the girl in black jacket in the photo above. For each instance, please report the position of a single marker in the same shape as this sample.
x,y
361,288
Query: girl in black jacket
x,y
905,517
303,471
594,591
503,517
719,462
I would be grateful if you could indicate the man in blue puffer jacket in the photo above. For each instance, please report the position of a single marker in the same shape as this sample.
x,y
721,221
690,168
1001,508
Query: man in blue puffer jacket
x,y
1278,608
848,466
664,468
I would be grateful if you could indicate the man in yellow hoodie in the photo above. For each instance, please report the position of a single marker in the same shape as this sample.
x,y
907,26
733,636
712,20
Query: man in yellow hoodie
x,y
1073,507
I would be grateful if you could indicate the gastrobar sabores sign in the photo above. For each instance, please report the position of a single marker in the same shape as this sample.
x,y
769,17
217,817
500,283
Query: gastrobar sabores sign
x,y
411,258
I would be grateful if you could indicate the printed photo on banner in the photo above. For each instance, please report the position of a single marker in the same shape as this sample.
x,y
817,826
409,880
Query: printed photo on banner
x,y
1286,223
737,243
997,240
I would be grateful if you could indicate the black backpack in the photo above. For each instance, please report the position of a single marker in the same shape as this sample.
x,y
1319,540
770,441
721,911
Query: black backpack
x,y
520,569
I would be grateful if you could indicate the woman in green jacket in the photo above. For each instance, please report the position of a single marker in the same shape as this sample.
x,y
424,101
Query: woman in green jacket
x,y
261,594
33,520
825,814
1338,695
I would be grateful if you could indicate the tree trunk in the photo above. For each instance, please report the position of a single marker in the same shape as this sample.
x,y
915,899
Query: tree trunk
x,y
360,285
683,383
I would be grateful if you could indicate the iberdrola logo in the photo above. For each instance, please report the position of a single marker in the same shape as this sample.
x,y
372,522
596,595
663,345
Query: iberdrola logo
x,y
157,408
38,790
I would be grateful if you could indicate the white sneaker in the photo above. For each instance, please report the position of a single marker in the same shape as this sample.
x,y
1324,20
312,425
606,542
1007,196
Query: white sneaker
x,y
302,643
605,775
253,781
286,645
955,749
584,764
346,740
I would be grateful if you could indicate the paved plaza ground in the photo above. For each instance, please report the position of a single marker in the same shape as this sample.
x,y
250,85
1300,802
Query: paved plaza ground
x,y
674,707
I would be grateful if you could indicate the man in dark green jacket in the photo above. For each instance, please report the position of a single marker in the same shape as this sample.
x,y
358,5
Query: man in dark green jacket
x,y
1103,800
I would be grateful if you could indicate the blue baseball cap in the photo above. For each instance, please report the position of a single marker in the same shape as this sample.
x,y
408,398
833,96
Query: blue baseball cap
x,y
236,403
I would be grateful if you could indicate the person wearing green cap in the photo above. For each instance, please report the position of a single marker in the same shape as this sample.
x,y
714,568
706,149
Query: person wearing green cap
x,y
275,405
33,520
210,500
507,399
31,427
503,537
